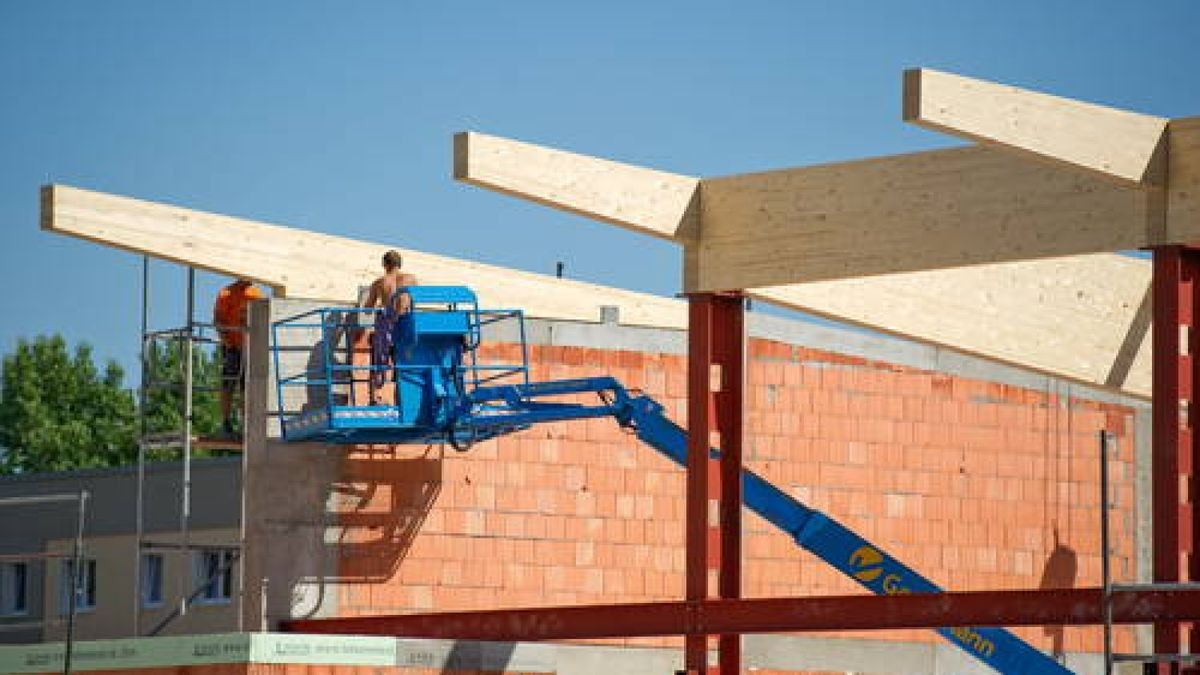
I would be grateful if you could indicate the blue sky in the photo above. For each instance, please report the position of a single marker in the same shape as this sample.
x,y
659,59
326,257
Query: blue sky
x,y
337,116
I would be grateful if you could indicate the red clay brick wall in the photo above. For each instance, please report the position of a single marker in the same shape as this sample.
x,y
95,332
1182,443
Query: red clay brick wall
x,y
965,480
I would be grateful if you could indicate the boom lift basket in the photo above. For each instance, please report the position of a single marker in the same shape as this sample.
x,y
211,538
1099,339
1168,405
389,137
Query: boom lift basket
x,y
330,389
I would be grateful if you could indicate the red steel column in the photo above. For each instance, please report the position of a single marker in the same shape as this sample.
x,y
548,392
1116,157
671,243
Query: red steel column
x,y
1175,342
1189,453
699,421
729,351
716,346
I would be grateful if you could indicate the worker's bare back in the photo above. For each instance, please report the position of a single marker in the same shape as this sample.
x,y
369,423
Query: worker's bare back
x,y
384,289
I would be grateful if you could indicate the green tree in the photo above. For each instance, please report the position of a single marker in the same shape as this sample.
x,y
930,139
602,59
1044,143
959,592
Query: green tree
x,y
59,411
164,400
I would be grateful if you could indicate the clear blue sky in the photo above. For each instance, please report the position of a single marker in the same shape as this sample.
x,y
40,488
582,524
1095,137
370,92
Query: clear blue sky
x,y
337,116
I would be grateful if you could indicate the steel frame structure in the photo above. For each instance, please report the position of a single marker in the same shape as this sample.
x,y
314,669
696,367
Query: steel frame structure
x,y
716,395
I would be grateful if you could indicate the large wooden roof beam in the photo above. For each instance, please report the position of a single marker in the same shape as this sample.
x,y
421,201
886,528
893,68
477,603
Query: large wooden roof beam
x,y
929,210
299,263
657,203
1084,318
1030,314
1183,187
1116,144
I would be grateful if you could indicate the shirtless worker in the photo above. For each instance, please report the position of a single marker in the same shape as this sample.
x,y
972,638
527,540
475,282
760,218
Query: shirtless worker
x,y
229,317
383,294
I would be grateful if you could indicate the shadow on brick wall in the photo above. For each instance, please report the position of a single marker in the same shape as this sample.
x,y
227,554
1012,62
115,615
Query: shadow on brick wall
x,y
383,500
1059,571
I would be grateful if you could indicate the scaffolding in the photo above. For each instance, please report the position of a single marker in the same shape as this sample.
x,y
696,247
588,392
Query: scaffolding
x,y
186,339
1111,658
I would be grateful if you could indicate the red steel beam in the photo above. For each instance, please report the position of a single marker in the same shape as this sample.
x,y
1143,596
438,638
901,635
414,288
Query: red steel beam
x,y
1079,606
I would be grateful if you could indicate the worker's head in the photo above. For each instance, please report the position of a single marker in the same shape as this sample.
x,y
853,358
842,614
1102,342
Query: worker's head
x,y
243,281
392,260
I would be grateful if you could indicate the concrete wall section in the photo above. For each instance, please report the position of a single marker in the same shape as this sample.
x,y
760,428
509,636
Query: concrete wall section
x,y
291,540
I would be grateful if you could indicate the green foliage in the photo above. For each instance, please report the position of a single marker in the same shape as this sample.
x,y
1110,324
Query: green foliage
x,y
58,411
164,401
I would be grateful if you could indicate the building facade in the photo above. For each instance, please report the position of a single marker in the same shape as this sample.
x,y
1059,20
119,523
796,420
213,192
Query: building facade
x,y
37,588
975,474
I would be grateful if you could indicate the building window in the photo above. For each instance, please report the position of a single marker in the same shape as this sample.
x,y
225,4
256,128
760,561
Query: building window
x,y
14,599
214,576
85,598
151,584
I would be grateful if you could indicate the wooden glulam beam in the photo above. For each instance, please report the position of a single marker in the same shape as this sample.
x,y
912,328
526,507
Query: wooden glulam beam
x,y
300,263
1183,189
1049,315
652,202
1082,318
1111,143
922,211
1079,317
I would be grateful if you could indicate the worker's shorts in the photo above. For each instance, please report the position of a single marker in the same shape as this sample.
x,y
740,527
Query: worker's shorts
x,y
231,368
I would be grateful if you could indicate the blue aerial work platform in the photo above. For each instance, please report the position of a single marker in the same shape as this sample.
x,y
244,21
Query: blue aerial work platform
x,y
440,392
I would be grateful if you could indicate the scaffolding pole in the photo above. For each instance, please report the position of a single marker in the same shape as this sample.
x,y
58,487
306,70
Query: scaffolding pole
x,y
1105,565
76,581
185,496
143,429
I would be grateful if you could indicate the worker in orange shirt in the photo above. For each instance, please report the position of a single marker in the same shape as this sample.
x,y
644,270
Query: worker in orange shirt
x,y
229,317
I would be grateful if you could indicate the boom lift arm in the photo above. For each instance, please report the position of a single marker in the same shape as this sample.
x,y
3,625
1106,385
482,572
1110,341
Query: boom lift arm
x,y
810,529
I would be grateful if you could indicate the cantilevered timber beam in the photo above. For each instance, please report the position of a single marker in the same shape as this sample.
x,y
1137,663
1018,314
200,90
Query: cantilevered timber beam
x,y
653,202
299,263
928,210
1083,318
1048,315
1111,143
